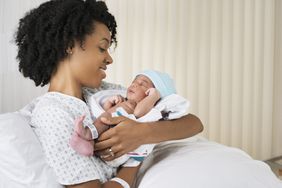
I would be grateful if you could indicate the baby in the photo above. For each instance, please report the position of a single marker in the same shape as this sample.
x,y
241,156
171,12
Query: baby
x,y
150,97
141,96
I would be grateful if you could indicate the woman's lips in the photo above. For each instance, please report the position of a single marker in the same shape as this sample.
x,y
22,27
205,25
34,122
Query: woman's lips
x,y
103,67
102,70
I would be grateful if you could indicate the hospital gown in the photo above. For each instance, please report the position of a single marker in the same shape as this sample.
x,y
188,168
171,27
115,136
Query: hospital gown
x,y
53,121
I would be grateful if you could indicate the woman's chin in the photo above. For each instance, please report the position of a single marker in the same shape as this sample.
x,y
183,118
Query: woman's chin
x,y
103,74
97,81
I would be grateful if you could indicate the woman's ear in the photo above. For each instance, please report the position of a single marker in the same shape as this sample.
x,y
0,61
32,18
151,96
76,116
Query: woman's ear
x,y
69,51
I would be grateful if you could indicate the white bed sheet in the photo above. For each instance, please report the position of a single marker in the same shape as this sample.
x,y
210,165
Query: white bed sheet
x,y
199,163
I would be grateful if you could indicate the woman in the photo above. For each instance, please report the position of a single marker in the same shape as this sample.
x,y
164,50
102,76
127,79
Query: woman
x,y
65,43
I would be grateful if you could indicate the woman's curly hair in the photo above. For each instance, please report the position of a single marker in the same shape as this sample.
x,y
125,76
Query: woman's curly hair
x,y
45,33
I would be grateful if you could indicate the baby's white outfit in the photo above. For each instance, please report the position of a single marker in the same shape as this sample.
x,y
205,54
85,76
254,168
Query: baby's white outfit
x,y
170,107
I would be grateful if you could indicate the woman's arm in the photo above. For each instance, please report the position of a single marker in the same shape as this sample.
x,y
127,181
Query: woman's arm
x,y
184,127
130,134
128,174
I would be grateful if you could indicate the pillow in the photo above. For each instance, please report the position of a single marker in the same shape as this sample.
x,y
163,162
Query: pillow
x,y
22,163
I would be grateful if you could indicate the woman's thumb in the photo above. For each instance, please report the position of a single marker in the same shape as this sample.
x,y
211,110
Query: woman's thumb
x,y
112,120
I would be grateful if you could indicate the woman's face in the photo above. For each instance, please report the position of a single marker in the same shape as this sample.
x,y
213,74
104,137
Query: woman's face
x,y
89,62
137,90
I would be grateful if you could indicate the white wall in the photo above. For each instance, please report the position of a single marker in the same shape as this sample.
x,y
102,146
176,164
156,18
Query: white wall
x,y
15,91
277,107
225,56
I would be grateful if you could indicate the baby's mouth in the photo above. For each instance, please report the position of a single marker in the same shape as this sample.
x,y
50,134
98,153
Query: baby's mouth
x,y
130,91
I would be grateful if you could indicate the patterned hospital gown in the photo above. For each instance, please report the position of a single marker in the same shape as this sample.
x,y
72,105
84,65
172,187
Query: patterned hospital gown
x,y
53,121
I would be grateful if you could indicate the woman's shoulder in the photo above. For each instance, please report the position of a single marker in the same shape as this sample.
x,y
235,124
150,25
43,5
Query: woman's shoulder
x,y
58,98
59,101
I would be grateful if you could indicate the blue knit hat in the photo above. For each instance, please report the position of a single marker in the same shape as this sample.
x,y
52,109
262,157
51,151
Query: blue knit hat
x,y
162,82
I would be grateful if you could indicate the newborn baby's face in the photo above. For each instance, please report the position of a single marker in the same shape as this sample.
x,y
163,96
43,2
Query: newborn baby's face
x,y
137,90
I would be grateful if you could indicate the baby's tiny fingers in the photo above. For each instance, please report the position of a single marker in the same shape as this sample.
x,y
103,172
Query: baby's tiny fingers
x,y
79,120
82,117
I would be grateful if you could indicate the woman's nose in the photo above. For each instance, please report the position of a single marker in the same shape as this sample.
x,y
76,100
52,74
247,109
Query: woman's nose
x,y
109,59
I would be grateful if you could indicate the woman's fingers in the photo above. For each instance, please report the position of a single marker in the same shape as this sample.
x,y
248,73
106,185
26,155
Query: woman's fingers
x,y
110,157
110,153
113,120
121,139
105,153
110,121
101,145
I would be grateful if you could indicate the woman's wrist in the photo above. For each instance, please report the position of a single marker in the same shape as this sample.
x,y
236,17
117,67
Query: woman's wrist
x,y
120,181
145,129
128,174
159,131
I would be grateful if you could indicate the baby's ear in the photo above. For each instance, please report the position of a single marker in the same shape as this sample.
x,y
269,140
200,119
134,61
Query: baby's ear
x,y
147,91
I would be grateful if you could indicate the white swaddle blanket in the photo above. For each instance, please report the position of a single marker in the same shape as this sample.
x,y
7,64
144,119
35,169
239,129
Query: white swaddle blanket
x,y
173,105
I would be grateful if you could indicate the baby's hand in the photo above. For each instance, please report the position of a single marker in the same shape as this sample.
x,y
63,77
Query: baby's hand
x,y
81,139
116,99
153,92
82,131
112,101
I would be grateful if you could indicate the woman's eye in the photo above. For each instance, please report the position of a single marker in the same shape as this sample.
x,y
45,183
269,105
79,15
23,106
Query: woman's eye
x,y
102,49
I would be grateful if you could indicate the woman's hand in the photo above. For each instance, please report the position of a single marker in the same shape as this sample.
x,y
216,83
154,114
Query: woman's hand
x,y
129,135
121,139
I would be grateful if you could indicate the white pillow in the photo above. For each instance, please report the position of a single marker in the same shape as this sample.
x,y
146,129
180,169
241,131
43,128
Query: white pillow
x,y
22,162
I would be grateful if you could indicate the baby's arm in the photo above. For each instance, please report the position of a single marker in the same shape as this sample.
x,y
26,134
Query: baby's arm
x,y
112,101
82,131
85,132
145,105
81,140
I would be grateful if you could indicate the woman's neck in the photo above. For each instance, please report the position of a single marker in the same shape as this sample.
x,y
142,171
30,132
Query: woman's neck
x,y
63,81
